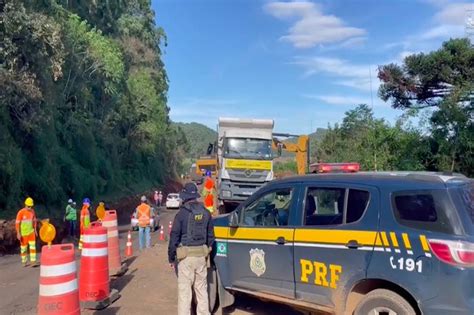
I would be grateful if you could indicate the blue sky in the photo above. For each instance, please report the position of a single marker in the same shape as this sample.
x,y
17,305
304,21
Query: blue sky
x,y
301,63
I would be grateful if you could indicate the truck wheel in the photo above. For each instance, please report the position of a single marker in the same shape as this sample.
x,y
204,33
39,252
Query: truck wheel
x,y
383,302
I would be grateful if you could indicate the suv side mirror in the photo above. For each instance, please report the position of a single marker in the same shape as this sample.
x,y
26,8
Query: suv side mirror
x,y
234,220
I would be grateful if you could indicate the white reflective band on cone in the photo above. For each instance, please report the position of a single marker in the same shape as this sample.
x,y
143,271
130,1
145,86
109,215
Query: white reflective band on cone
x,y
129,244
58,270
94,252
109,223
57,289
112,233
95,238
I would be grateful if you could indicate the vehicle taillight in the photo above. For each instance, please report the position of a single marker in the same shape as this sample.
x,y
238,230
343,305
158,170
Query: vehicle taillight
x,y
456,253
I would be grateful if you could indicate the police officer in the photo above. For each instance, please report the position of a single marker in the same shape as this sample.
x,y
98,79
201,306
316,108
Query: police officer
x,y
191,241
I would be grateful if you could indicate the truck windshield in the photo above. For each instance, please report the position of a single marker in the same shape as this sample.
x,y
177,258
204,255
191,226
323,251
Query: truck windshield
x,y
246,148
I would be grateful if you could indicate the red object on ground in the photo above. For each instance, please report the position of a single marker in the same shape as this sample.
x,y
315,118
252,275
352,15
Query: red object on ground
x,y
162,233
115,263
58,292
94,284
129,247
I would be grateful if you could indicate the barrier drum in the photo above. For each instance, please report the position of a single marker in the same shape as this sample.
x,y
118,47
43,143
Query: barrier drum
x,y
58,292
116,268
94,284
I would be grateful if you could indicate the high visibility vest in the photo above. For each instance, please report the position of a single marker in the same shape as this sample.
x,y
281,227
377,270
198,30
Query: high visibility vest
x,y
143,214
25,222
209,202
85,217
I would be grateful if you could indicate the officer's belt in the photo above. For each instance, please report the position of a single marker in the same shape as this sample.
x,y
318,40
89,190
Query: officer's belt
x,y
192,251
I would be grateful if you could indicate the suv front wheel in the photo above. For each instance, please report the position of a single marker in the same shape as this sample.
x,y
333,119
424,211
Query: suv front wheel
x,y
382,302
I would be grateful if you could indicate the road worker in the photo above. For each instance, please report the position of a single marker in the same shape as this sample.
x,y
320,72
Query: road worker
x,y
26,233
190,243
71,217
208,192
143,216
85,219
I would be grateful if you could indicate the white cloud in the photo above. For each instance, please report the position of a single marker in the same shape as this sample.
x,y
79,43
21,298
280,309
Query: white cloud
x,y
312,27
356,76
453,13
347,100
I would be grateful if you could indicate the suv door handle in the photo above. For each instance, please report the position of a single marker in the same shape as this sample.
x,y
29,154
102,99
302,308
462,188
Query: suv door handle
x,y
353,244
281,240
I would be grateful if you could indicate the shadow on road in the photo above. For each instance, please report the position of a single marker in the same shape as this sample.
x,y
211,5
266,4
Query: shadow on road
x,y
123,281
130,260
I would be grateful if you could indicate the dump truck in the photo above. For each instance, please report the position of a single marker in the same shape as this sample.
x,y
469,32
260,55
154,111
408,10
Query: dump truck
x,y
244,156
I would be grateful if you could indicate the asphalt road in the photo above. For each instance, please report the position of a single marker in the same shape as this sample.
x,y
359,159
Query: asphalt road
x,y
149,286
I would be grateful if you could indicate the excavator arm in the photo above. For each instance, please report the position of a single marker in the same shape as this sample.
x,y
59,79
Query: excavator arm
x,y
300,148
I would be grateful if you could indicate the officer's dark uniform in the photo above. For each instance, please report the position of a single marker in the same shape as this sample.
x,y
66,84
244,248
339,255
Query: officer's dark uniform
x,y
190,243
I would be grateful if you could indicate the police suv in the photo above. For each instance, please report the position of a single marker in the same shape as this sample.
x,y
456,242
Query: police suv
x,y
362,243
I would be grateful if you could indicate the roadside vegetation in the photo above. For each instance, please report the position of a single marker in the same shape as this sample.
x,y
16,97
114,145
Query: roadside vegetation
x,y
83,97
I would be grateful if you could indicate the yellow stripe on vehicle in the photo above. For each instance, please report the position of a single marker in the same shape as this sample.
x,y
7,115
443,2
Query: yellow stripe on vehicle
x,y
394,239
406,242
366,238
424,243
248,164
262,234
385,241
221,232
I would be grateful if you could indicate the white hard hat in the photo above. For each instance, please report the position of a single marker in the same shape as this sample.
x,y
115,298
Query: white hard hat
x,y
69,201
143,198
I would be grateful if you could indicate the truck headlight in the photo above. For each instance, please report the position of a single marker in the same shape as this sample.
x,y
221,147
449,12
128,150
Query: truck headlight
x,y
269,176
226,193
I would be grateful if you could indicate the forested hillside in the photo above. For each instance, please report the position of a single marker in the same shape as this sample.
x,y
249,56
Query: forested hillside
x,y
198,136
83,97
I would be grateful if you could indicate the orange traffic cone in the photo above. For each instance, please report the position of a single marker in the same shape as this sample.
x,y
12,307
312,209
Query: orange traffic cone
x,y
116,268
162,233
170,226
128,248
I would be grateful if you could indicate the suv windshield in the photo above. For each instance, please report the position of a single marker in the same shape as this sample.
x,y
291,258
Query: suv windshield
x,y
247,148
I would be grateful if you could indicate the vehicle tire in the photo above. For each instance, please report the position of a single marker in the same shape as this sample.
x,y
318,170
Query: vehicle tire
x,y
381,301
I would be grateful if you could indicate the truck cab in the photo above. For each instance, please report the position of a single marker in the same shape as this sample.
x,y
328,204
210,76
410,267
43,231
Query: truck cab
x,y
245,159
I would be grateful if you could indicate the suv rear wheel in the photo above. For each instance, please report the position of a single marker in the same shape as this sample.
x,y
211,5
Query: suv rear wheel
x,y
383,302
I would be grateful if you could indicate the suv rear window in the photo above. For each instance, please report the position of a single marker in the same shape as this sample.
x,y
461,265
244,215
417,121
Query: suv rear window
x,y
467,196
423,210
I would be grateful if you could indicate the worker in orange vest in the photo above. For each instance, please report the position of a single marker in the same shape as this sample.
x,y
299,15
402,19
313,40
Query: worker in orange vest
x,y
25,226
208,192
85,219
143,216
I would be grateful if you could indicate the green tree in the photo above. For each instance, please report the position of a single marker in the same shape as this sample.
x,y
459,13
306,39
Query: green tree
x,y
443,82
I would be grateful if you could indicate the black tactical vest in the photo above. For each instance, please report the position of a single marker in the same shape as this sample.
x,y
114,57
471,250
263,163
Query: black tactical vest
x,y
196,234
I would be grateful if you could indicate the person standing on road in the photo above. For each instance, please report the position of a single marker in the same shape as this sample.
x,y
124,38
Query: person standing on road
x,y
26,233
143,215
155,197
208,192
85,219
100,211
160,198
71,217
190,244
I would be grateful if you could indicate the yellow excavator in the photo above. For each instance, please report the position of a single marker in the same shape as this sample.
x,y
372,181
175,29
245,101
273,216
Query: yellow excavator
x,y
300,148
